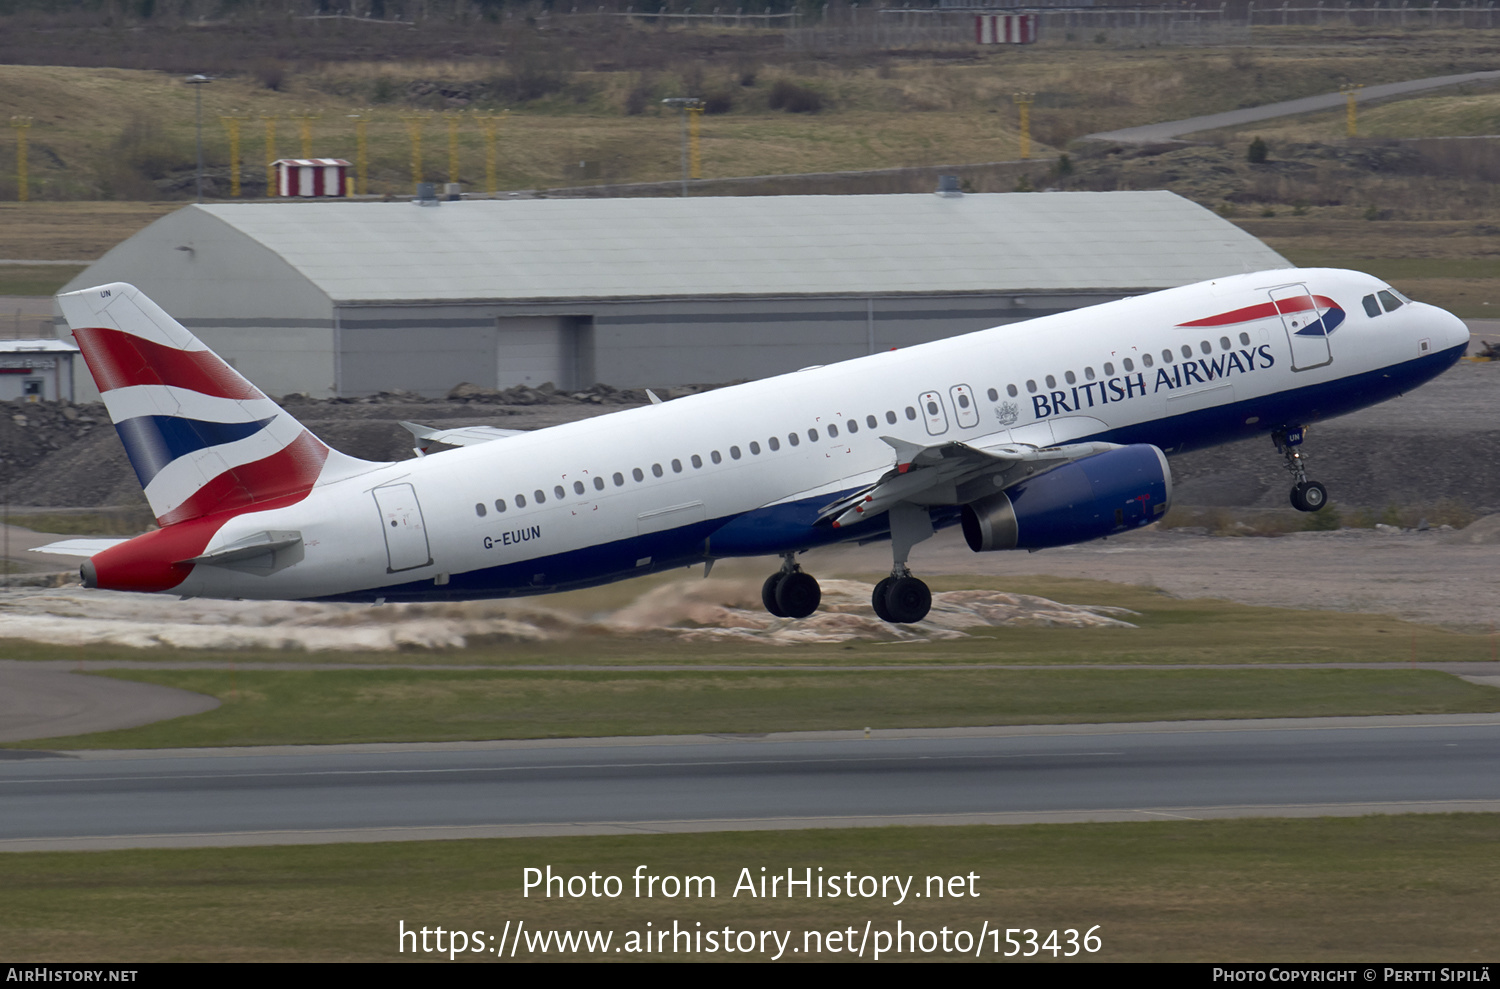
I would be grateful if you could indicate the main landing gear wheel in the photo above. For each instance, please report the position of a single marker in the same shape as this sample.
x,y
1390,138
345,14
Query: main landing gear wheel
x,y
790,593
907,600
877,600
768,594
1309,496
798,594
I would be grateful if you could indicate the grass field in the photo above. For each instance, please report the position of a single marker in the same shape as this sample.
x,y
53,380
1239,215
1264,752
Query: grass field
x,y
329,707
1413,888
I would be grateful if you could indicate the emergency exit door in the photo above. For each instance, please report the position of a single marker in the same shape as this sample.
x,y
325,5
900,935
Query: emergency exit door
x,y
405,533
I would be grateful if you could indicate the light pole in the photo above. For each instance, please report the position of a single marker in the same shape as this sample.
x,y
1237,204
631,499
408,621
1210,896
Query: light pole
x,y
684,104
197,83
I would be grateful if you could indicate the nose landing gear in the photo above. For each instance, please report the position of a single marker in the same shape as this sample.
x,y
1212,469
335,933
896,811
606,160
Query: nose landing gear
x,y
1307,496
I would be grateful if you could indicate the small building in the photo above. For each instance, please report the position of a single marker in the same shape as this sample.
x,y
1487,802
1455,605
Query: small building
x,y
36,370
312,178
353,298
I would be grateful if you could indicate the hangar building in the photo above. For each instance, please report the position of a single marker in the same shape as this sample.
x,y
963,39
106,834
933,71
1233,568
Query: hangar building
x,y
338,298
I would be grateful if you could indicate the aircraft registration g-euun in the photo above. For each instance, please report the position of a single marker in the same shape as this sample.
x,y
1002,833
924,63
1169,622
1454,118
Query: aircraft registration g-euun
x,y
1032,435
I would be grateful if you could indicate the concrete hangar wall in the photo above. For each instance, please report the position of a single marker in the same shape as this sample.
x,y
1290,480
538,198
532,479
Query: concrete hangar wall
x,y
354,298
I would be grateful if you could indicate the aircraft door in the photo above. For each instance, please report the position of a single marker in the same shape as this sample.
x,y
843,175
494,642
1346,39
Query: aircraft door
x,y
1304,329
401,521
933,413
964,406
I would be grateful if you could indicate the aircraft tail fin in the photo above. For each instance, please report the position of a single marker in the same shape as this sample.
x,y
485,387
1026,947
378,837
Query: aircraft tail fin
x,y
202,439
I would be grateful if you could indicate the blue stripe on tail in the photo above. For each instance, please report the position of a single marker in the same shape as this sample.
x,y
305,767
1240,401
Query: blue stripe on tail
x,y
152,442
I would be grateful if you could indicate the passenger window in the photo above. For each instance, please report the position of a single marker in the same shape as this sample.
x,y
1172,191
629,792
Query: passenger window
x,y
793,439
734,452
1166,356
540,496
697,461
479,509
638,474
578,487
1388,300
1031,386
1088,373
994,395
656,470
558,491
1051,381
871,421
1109,370
499,504
911,413
1129,365
852,426
890,417
520,501
1206,347
1187,352
1244,339
963,400
1224,343
1070,377
754,449
832,430
1010,390
676,466
715,456
598,485
812,435
619,479
774,444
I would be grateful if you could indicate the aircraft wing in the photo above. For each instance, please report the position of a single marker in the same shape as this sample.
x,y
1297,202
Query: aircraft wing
x,y
462,436
933,475
77,547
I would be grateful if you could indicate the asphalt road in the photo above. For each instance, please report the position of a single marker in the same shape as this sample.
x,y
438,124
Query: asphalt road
x,y
1174,129
300,795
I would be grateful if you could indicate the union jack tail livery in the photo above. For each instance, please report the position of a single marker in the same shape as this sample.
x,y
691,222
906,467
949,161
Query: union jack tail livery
x,y
202,439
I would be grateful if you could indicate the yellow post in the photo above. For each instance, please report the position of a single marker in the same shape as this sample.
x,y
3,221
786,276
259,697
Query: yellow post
x,y
23,184
361,120
696,160
1351,93
270,156
304,120
490,124
1023,103
414,131
232,125
453,120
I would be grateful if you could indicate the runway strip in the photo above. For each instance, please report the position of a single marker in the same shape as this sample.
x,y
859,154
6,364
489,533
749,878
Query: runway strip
x,y
319,794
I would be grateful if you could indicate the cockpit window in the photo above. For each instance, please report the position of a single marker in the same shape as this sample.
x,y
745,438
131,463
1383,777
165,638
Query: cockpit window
x,y
1388,300
1372,308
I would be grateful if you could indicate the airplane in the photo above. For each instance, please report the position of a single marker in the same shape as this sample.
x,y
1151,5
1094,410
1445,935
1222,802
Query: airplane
x,y
1031,435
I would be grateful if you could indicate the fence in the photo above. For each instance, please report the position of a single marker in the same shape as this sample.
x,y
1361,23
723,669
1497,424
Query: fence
x,y
873,28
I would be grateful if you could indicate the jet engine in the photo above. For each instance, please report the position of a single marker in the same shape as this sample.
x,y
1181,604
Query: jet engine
x,y
1085,499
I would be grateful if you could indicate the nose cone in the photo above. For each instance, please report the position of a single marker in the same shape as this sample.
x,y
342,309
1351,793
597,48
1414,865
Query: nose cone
x,y
1456,331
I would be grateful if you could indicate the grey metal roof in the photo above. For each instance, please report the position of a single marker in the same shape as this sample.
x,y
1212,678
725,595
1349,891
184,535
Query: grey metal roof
x,y
760,245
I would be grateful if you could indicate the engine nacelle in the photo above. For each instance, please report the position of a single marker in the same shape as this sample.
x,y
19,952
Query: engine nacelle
x,y
1110,492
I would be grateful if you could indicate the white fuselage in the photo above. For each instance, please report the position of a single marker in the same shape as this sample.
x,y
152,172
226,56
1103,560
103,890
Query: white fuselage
x,y
688,479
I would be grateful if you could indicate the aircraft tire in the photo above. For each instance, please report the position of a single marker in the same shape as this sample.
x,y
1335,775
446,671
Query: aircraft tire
x,y
1309,496
908,600
877,599
798,595
768,594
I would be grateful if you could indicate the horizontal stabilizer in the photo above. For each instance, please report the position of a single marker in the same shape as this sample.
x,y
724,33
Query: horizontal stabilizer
x,y
462,436
242,551
77,547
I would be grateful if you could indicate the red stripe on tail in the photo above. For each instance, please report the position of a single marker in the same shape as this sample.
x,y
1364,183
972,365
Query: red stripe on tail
x,y
288,474
119,360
